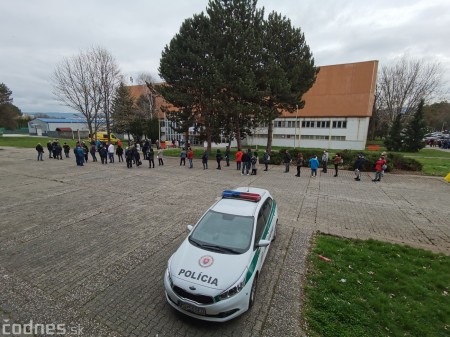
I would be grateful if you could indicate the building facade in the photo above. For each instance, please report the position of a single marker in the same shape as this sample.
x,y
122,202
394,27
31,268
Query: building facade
x,y
336,114
337,111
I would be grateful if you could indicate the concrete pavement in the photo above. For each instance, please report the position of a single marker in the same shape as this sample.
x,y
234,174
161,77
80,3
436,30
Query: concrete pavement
x,y
88,246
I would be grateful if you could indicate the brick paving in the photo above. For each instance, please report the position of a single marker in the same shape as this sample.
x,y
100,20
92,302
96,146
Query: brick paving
x,y
88,246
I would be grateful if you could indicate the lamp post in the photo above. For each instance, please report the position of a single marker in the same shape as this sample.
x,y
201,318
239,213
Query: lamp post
x,y
296,118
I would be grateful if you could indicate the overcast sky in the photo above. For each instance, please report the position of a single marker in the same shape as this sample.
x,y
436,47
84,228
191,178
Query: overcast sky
x,y
37,34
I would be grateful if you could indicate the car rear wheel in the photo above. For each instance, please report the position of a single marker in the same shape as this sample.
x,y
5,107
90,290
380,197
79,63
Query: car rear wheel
x,y
253,291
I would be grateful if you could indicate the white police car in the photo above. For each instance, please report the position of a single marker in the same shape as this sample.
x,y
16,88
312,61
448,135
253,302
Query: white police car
x,y
213,274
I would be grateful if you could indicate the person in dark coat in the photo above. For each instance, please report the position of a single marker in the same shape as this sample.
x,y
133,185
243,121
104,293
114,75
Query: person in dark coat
x,y
299,164
137,157
227,155
49,148
129,157
246,157
205,159
151,158
103,155
359,164
287,161
218,159
119,153
93,151
40,151
66,148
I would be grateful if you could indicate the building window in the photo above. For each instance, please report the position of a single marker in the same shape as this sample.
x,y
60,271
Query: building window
x,y
339,124
338,138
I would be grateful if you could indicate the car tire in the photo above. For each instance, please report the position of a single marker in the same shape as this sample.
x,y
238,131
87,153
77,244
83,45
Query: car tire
x,y
251,300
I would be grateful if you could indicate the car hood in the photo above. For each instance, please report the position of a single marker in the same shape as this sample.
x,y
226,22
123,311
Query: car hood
x,y
210,270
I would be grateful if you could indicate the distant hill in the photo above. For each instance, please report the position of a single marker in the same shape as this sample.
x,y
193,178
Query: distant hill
x,y
70,115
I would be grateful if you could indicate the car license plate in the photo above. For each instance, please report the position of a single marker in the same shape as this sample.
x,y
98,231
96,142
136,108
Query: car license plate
x,y
192,308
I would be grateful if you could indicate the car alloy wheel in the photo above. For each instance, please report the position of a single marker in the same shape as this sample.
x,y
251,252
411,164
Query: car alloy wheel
x,y
253,291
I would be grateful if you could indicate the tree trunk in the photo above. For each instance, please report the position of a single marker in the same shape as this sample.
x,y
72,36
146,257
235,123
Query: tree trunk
x,y
269,137
238,135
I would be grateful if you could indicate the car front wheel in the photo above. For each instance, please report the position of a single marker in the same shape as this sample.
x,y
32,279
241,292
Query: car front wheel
x,y
253,292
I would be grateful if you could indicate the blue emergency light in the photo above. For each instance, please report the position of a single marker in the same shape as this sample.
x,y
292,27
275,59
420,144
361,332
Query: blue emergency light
x,y
230,194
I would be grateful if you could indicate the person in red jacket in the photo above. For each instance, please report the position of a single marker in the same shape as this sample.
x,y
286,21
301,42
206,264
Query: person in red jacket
x,y
190,156
379,167
238,159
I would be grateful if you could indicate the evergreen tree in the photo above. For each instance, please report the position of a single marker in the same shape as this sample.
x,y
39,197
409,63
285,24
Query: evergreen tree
x,y
5,94
287,70
9,113
416,130
394,140
123,110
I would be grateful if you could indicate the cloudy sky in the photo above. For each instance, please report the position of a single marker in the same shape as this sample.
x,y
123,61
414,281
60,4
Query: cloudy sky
x,y
37,34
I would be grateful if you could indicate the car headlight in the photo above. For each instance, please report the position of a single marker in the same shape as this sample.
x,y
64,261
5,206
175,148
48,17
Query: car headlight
x,y
235,289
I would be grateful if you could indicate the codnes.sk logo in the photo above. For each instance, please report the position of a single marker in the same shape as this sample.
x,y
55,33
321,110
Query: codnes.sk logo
x,y
32,328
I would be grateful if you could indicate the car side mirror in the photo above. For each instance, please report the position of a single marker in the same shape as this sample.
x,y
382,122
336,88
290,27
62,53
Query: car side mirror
x,y
263,243
190,227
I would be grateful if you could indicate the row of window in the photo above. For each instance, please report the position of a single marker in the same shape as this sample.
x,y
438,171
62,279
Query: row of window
x,y
311,124
305,137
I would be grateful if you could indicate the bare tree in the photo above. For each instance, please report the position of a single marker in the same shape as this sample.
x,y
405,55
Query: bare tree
x,y
108,79
404,83
86,83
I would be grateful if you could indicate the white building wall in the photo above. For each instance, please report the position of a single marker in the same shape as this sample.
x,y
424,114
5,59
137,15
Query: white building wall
x,y
328,133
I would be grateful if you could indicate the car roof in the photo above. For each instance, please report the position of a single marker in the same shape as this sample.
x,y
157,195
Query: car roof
x,y
239,206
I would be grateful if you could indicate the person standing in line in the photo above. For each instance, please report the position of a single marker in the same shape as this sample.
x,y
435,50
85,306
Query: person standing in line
x,y
49,148
337,160
299,164
227,155
129,157
92,151
66,148
384,156
151,157
119,153
246,157
379,168
239,155
287,161
111,152
190,156
40,151
85,151
324,161
314,165
205,159
59,151
160,157
79,153
254,160
54,143
266,159
145,150
218,159
359,165
183,156
103,155
136,156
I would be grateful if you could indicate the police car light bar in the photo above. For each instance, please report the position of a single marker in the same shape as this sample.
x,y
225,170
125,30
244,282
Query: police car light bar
x,y
229,194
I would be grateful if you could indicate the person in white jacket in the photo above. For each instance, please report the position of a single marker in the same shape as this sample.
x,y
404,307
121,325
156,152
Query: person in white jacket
x,y
111,152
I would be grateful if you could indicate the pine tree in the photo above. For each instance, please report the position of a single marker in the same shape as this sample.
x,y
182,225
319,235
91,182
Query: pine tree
x,y
123,110
9,113
416,130
394,140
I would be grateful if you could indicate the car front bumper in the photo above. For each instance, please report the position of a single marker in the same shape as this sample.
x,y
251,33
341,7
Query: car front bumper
x,y
221,311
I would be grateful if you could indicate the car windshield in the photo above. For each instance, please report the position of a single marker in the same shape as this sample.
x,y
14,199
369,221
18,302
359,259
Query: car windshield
x,y
224,233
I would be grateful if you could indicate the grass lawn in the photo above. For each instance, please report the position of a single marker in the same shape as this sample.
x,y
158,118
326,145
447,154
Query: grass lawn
x,y
435,162
372,288
31,142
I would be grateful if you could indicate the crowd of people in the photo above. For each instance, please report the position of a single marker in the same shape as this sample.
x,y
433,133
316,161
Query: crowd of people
x,y
246,161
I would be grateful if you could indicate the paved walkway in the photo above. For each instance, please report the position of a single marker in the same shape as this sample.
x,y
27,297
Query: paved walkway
x,y
89,245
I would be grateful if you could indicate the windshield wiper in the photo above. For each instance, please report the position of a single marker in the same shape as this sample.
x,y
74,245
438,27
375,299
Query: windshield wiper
x,y
219,248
